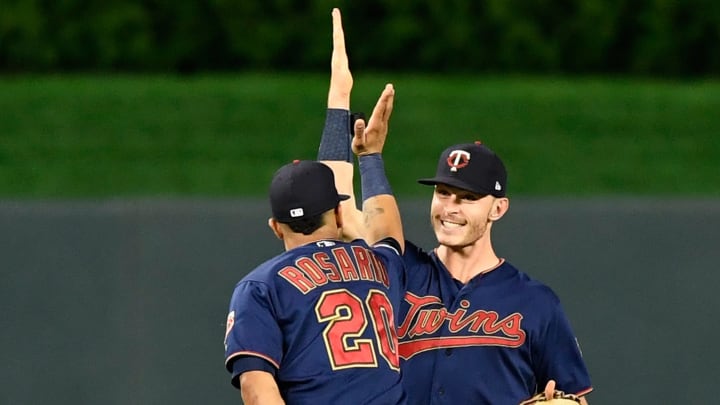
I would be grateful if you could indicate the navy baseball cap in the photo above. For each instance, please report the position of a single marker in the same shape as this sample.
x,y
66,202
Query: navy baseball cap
x,y
473,167
303,189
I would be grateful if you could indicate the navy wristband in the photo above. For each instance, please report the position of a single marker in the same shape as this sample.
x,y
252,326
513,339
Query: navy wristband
x,y
335,141
373,180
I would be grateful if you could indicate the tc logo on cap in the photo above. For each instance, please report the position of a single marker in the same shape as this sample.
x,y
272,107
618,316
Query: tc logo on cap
x,y
297,212
458,159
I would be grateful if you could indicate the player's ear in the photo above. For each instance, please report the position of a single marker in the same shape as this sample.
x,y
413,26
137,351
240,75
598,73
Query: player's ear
x,y
337,213
338,216
275,227
499,208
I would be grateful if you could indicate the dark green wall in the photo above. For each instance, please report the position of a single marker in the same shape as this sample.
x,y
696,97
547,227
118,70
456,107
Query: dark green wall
x,y
119,302
656,37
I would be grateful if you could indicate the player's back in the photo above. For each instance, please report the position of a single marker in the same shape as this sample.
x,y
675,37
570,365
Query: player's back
x,y
330,325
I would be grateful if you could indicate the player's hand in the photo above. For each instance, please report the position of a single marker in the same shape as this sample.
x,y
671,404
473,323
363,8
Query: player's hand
x,y
370,138
341,80
550,389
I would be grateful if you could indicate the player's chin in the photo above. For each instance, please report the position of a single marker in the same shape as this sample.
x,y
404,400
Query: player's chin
x,y
448,238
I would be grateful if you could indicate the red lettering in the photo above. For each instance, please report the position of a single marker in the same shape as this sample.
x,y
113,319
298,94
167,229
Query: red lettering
x,y
477,320
323,260
511,325
482,327
363,262
312,270
347,268
416,303
296,278
428,322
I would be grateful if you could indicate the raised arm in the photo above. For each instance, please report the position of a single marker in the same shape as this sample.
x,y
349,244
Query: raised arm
x,y
341,80
334,148
381,215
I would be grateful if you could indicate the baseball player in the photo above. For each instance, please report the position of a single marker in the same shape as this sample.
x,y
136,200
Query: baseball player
x,y
466,308
316,324
473,329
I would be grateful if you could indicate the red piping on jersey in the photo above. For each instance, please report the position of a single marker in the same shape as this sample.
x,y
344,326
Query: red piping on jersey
x,y
584,392
254,354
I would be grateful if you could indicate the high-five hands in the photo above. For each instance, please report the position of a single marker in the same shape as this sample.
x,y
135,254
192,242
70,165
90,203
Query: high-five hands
x,y
370,138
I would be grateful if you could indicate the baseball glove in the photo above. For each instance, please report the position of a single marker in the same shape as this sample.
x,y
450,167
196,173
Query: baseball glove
x,y
559,398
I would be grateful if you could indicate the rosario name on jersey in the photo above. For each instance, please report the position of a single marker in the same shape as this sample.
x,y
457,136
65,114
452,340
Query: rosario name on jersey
x,y
491,341
323,317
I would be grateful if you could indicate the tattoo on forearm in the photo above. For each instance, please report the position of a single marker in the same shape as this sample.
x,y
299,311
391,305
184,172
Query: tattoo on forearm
x,y
369,214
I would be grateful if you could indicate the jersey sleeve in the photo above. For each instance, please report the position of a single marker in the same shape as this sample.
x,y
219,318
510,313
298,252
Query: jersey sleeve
x,y
559,357
389,250
413,254
389,243
252,330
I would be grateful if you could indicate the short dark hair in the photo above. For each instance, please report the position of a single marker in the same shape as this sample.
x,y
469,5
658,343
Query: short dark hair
x,y
306,226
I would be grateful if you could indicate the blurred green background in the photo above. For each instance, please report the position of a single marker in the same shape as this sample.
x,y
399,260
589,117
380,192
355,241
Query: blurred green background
x,y
209,135
207,98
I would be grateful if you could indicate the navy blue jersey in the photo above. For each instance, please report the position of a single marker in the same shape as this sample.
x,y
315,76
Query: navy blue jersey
x,y
322,319
495,340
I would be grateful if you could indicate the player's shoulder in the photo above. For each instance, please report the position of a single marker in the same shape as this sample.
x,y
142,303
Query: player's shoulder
x,y
267,270
530,286
414,253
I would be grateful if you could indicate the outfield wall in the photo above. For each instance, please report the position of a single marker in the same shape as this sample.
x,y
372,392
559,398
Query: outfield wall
x,y
119,302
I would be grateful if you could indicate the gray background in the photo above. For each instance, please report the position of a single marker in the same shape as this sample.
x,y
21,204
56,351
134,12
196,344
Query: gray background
x,y
119,302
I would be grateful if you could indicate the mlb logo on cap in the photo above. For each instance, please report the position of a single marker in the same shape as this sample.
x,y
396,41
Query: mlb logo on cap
x,y
303,189
458,159
473,167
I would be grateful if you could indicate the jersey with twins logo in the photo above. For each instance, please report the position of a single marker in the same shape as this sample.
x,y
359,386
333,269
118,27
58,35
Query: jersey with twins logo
x,y
496,340
322,318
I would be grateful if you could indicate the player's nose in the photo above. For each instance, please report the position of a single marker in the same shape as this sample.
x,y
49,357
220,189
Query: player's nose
x,y
451,206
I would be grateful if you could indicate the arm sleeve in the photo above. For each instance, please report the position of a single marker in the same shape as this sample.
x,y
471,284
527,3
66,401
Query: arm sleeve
x,y
336,135
389,251
389,243
559,357
253,330
242,364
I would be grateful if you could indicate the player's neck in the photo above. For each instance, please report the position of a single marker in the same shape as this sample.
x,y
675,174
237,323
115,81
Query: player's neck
x,y
293,240
464,263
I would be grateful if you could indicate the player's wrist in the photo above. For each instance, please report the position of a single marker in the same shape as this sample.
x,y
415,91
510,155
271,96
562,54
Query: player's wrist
x,y
335,140
373,179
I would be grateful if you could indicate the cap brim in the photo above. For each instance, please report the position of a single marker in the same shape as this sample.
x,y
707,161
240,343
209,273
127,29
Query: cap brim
x,y
454,182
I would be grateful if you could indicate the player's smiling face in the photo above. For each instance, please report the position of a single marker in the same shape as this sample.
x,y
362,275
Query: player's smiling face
x,y
459,217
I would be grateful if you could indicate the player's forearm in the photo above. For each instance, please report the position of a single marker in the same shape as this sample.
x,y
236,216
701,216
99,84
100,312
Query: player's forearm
x,y
335,141
338,99
352,227
335,152
381,215
259,388
381,218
